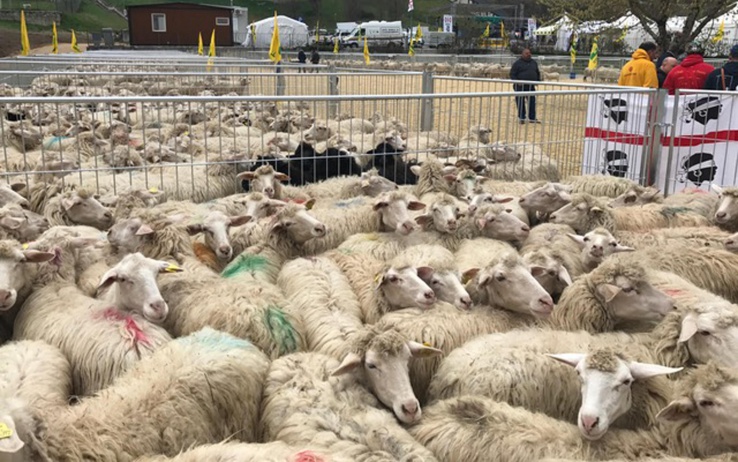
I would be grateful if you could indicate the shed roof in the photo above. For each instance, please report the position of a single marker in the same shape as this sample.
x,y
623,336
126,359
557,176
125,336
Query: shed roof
x,y
180,5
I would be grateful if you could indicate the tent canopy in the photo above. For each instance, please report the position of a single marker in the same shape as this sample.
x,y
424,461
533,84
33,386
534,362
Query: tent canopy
x,y
292,33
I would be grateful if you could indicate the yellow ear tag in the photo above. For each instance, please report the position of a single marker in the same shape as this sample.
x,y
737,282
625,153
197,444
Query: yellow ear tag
x,y
25,246
426,344
186,134
377,278
465,279
5,431
153,190
172,268
372,237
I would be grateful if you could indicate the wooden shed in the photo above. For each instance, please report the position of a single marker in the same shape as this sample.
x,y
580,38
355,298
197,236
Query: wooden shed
x,y
178,24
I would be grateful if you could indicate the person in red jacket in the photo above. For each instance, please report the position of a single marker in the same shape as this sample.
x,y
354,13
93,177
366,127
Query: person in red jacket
x,y
691,73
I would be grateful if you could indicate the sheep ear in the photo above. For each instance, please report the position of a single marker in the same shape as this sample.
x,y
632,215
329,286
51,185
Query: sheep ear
x,y
449,170
679,409
11,222
537,270
651,194
689,328
18,186
246,176
310,204
424,220
608,291
36,256
144,230
481,178
277,203
596,209
415,169
415,205
67,203
564,196
422,350
108,279
576,238
11,443
379,204
469,275
425,272
502,200
281,176
630,198
641,371
716,188
239,220
350,362
481,222
450,178
571,359
564,276
623,248
194,229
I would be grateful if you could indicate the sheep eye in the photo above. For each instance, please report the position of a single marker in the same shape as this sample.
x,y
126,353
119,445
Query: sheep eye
x,y
500,277
490,219
704,332
627,382
627,290
551,273
614,244
488,199
508,210
370,366
393,279
265,206
586,239
706,403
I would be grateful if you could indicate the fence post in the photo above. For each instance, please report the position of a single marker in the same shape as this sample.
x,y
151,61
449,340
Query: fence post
x,y
670,155
654,127
332,90
280,79
426,104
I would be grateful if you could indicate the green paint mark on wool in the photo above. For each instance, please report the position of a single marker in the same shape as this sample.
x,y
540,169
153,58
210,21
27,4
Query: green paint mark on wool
x,y
245,263
673,211
281,329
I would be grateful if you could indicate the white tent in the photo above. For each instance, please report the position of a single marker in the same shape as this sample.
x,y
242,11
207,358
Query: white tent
x,y
292,33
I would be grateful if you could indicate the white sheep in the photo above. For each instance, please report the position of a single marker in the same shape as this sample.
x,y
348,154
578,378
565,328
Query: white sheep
x,y
59,313
276,451
638,195
318,290
549,247
21,224
711,236
77,207
312,399
596,246
512,205
176,398
726,212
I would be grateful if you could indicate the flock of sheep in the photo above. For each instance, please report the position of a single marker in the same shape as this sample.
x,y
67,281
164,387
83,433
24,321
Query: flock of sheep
x,y
376,294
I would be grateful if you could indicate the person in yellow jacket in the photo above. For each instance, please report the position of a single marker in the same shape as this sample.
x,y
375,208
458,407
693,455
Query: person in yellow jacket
x,y
641,71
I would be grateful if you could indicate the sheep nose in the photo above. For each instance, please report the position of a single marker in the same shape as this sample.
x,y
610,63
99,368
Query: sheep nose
x,y
729,242
225,249
410,408
451,222
472,208
408,227
319,229
466,301
590,422
552,217
24,203
721,214
429,295
108,215
526,228
269,192
5,296
160,310
547,302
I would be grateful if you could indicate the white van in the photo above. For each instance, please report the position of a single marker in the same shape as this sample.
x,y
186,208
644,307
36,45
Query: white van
x,y
387,33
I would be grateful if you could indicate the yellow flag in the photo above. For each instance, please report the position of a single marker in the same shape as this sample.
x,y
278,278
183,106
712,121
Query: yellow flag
x,y
366,52
411,48
418,33
720,33
211,52
335,45
502,34
25,44
54,39
317,32
75,48
275,50
486,32
199,43
594,56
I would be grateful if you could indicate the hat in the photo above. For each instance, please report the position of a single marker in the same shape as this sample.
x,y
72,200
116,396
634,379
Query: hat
x,y
734,51
694,48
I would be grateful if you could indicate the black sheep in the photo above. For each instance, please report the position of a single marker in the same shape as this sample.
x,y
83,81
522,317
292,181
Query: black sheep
x,y
388,161
279,165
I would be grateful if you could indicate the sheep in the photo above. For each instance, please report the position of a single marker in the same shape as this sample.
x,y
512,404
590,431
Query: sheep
x,y
512,205
382,287
287,235
433,177
710,268
370,184
610,382
696,200
474,428
9,195
21,224
265,180
57,312
199,389
446,328
276,451
599,185
445,280
546,199
725,212
586,212
531,166
617,291
318,290
597,245
638,195
77,207
548,246
312,399
731,243
214,227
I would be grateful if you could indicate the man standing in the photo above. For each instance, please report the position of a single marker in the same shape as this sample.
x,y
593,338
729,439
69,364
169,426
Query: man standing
x,y
302,59
691,73
640,71
526,69
725,78
315,57
666,66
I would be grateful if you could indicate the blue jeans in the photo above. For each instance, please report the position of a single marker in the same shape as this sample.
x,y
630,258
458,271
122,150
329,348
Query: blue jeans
x,y
520,101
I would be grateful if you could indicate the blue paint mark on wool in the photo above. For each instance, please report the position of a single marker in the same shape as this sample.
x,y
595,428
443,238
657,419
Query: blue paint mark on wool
x,y
214,340
350,202
54,140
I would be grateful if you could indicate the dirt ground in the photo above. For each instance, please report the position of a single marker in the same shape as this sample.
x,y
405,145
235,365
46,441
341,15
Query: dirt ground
x,y
40,42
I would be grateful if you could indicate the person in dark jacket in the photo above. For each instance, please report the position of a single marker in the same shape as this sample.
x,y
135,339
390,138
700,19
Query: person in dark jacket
x,y
526,69
728,73
315,58
302,59
691,73
666,66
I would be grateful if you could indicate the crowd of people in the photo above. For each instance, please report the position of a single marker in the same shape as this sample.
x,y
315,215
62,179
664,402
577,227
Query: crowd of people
x,y
651,69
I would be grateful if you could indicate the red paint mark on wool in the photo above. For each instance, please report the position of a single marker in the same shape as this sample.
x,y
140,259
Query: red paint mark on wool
x,y
307,456
671,292
132,329
695,191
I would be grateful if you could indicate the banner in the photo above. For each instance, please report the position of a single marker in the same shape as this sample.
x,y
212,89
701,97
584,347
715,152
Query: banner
x,y
448,23
532,26
705,146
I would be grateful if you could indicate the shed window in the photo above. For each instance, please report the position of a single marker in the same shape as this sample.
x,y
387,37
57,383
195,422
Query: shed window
x,y
222,21
158,22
